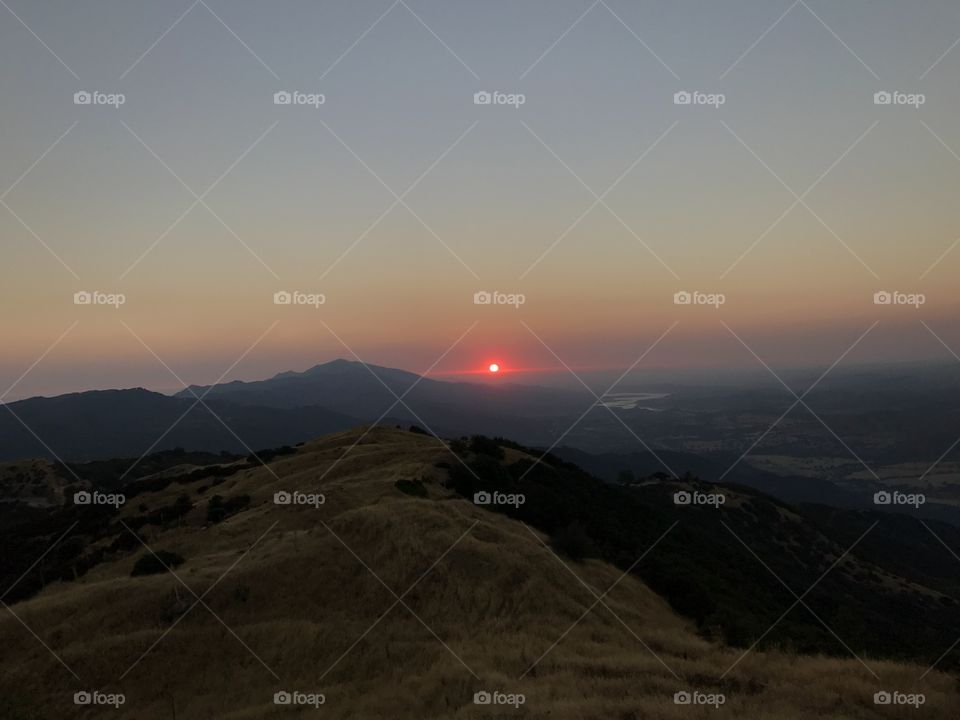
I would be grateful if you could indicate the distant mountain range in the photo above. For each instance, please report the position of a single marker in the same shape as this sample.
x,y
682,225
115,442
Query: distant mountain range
x,y
106,424
288,408
698,431
370,391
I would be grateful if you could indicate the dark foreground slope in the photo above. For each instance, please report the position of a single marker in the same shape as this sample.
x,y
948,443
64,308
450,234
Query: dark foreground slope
x,y
397,597
736,566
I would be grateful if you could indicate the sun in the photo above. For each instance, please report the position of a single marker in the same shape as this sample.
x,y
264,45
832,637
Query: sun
x,y
494,368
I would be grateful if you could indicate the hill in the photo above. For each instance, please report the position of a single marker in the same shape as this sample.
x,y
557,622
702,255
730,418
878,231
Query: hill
x,y
808,489
290,407
397,597
103,424
449,408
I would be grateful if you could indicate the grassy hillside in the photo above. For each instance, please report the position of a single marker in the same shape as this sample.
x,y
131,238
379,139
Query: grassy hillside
x,y
735,568
304,598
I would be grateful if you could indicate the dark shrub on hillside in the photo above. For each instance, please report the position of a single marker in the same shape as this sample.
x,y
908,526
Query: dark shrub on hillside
x,y
270,454
417,430
544,457
16,703
482,445
484,473
414,488
155,563
220,508
164,515
626,477
182,506
574,542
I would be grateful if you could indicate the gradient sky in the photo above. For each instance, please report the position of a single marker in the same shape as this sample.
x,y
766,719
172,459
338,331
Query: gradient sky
x,y
502,203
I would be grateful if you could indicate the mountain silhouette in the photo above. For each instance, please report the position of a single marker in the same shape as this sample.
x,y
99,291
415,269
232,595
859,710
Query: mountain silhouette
x,y
104,424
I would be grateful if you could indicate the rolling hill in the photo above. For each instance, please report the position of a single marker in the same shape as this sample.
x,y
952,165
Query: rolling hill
x,y
103,424
449,408
288,408
398,597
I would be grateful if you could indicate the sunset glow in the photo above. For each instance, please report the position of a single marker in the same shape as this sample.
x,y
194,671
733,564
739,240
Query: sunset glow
x,y
302,299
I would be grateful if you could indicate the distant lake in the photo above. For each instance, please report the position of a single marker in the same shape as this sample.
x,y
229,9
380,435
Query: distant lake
x,y
632,400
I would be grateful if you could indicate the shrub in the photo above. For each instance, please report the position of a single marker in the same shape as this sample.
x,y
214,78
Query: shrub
x,y
269,454
482,445
219,509
413,488
156,563
574,542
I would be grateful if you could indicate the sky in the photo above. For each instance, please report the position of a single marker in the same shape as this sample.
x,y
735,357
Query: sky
x,y
587,194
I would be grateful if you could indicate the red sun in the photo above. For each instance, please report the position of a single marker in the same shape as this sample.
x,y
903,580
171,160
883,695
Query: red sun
x,y
494,368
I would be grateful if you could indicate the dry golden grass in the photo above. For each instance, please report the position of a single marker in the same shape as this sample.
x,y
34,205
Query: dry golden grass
x,y
298,603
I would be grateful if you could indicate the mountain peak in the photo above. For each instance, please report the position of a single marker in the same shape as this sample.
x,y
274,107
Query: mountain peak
x,y
340,366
